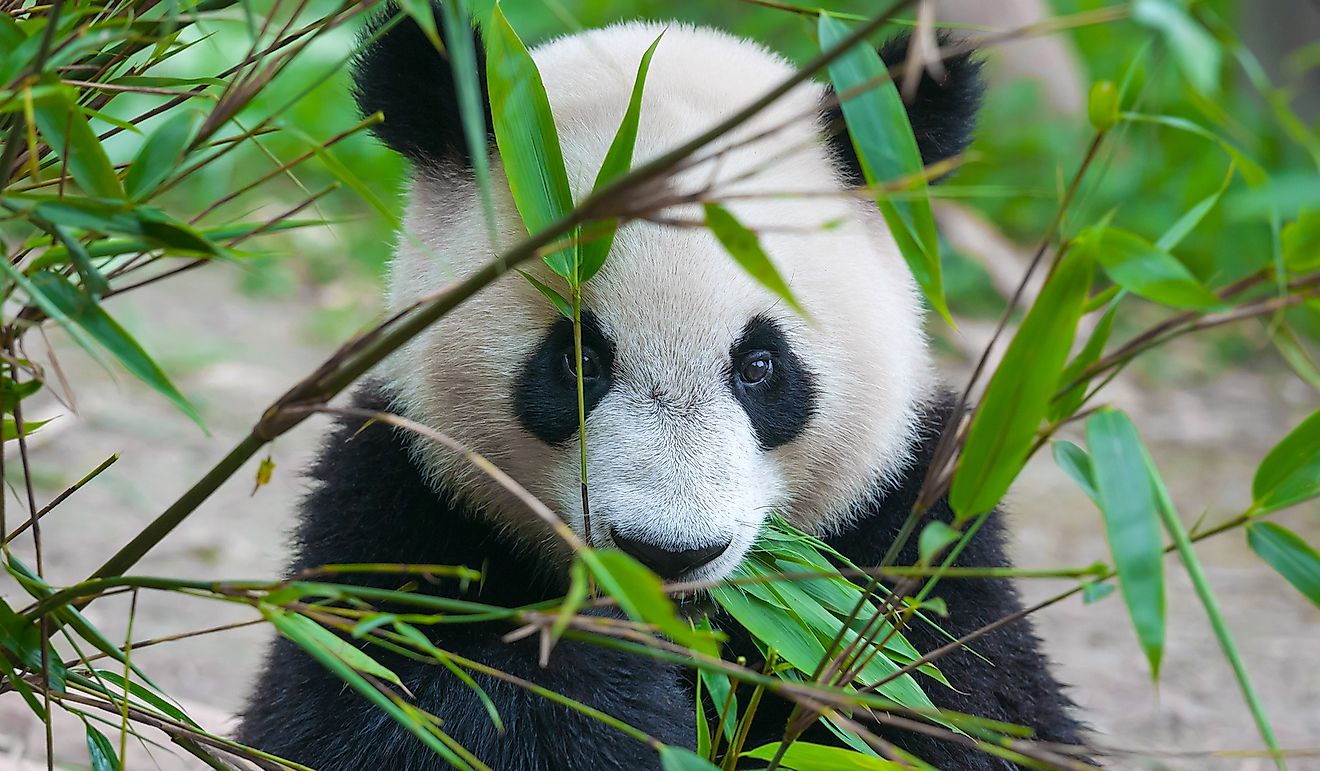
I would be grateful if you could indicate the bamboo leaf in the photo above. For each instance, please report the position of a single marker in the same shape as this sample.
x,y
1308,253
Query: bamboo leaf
x,y
1077,464
1188,222
527,138
340,648
1066,404
29,427
462,51
1290,473
1301,241
674,758
430,735
86,313
1019,392
1288,554
100,751
935,536
555,298
65,129
423,13
618,160
639,593
1144,269
745,248
882,135
1132,525
1198,54
1169,514
805,756
160,155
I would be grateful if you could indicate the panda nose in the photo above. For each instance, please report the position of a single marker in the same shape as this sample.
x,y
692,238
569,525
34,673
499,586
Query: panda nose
x,y
667,563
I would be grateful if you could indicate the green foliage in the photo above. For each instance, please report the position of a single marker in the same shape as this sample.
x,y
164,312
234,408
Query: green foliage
x,y
1127,500
141,140
878,124
1002,433
1289,554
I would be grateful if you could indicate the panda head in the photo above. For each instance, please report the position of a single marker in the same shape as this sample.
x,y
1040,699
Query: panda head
x,y
711,403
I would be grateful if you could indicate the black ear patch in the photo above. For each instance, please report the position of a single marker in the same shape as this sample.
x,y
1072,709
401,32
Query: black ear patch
x,y
398,72
942,112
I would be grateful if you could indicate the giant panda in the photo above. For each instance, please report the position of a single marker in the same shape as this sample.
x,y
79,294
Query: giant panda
x,y
711,405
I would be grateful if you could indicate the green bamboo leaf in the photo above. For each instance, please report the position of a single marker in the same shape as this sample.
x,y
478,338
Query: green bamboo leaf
x,y
935,536
1144,269
462,52
882,135
29,427
1288,554
423,13
618,160
1019,392
720,690
1132,524
428,733
703,725
22,638
86,313
1066,404
1290,473
1198,54
100,751
1095,591
1077,464
146,695
640,594
563,306
574,599
1183,543
1188,222
423,643
805,756
160,230
527,138
745,248
1301,242
59,255
51,309
65,129
160,155
340,648
674,758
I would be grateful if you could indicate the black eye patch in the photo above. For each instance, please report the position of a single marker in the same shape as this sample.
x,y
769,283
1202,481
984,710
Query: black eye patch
x,y
545,393
780,397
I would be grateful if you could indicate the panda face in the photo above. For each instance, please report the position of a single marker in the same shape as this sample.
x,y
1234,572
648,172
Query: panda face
x,y
710,403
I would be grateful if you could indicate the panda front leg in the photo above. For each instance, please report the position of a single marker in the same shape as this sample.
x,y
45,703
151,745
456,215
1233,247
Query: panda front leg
x,y
307,715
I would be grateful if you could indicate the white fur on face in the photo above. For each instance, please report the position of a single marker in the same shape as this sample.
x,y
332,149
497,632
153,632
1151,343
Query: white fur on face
x,y
672,456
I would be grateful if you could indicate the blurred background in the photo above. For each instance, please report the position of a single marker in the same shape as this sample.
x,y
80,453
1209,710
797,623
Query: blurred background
x,y
234,336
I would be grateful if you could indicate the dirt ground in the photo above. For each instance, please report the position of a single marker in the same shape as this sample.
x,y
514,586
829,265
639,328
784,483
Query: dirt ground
x,y
234,354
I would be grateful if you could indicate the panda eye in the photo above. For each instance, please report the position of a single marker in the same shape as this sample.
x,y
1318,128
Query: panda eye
x,y
756,368
590,364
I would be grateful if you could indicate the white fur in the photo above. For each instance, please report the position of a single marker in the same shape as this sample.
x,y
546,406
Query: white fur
x,y
684,470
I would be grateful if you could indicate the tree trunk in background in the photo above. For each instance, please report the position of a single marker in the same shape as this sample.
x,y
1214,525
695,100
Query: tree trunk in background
x,y
1274,29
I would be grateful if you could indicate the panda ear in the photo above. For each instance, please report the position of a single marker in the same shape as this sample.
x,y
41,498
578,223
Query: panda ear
x,y
398,72
942,112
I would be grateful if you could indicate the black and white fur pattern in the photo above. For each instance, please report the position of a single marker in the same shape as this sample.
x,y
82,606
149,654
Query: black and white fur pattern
x,y
684,452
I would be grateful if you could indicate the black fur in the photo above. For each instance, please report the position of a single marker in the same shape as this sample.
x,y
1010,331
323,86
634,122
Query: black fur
x,y
399,72
545,393
942,113
372,505
779,406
